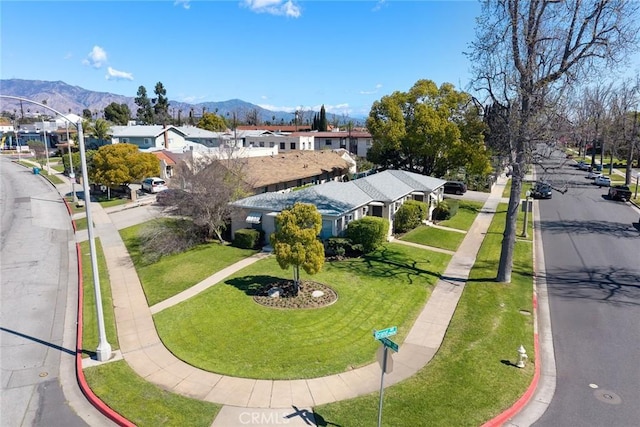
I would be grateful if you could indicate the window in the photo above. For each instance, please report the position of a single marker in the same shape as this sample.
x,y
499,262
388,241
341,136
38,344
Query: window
x,y
304,145
327,142
271,144
282,146
125,140
293,145
147,141
261,143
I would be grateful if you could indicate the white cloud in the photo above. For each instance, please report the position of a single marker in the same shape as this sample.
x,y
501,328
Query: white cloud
x,y
379,5
190,99
184,3
113,74
287,8
96,58
370,92
276,108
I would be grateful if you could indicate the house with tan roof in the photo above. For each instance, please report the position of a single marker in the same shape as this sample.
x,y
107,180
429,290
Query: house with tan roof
x,y
339,203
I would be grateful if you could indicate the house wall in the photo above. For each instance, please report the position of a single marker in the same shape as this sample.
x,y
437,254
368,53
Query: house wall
x,y
283,143
175,141
288,185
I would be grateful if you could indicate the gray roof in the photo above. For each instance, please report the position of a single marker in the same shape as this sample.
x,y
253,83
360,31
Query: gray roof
x,y
196,132
338,198
140,131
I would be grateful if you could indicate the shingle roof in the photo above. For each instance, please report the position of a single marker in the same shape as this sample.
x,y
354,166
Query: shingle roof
x,y
337,198
284,167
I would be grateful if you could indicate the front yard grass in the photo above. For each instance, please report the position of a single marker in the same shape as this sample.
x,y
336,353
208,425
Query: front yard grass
x,y
174,273
471,379
436,237
143,403
467,212
223,330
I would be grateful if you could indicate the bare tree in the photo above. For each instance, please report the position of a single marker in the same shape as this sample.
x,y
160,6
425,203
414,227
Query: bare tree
x,y
526,52
209,184
624,127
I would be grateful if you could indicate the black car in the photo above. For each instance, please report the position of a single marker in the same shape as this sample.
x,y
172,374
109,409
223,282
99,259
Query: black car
x,y
455,187
542,190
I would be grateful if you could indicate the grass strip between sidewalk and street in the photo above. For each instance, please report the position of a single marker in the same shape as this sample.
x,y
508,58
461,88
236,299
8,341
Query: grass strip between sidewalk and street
x,y
143,403
89,317
471,378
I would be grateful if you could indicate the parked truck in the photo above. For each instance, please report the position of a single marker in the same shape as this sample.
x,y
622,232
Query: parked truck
x,y
620,192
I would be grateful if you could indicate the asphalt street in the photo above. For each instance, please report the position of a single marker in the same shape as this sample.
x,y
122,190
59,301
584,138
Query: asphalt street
x,y
37,332
592,261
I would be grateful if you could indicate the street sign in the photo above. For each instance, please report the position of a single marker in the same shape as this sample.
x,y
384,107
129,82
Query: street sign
x,y
389,344
384,333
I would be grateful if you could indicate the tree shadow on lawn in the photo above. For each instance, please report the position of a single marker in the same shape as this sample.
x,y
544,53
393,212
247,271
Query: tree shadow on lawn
x,y
387,263
251,285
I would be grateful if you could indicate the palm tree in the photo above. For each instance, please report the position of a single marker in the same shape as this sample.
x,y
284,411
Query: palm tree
x,y
99,129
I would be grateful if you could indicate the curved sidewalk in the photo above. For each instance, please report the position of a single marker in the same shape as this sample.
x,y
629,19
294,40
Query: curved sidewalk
x,y
143,350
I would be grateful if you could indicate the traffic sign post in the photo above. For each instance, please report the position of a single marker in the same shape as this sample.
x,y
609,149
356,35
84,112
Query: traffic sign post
x,y
385,359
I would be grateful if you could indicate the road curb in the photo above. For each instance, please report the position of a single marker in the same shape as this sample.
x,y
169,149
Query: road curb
x,y
82,382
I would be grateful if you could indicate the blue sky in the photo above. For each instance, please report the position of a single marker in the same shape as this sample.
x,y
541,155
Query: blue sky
x,y
273,53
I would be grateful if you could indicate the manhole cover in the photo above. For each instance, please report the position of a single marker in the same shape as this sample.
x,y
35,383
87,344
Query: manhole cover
x,y
607,396
43,374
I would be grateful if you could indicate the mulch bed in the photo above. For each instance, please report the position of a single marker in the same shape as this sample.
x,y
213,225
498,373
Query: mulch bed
x,y
289,300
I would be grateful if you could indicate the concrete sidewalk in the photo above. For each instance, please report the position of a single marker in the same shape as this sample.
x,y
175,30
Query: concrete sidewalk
x,y
143,350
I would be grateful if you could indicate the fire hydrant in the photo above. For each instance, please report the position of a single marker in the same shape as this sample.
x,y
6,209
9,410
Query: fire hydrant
x,y
522,356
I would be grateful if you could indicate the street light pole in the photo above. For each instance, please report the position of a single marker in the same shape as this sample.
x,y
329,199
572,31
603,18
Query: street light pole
x,y
72,175
103,352
46,148
526,211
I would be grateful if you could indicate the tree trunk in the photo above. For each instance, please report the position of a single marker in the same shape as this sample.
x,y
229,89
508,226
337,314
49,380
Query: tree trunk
x,y
296,278
509,236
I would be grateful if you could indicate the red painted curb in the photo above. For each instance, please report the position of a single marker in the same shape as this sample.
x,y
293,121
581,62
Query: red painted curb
x,y
82,382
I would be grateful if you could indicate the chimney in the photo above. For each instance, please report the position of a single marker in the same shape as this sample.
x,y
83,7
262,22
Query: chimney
x,y
166,138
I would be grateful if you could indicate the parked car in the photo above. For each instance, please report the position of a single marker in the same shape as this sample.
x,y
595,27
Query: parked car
x,y
620,192
455,187
542,190
583,166
602,181
594,174
154,185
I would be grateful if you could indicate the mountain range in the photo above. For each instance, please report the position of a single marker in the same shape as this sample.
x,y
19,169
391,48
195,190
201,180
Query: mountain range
x,y
66,98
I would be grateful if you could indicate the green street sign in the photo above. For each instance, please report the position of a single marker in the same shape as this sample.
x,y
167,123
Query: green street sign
x,y
385,333
389,344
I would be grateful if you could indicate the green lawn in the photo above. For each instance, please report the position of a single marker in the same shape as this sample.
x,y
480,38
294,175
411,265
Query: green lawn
x,y
81,223
89,318
143,403
470,380
223,330
467,213
175,273
435,237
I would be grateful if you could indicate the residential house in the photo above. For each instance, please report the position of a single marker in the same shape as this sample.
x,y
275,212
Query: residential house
x,y
151,137
300,141
356,142
339,203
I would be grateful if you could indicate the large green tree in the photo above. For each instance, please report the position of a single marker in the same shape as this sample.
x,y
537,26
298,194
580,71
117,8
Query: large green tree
x,y
295,241
114,165
161,104
118,114
428,130
144,113
212,122
98,129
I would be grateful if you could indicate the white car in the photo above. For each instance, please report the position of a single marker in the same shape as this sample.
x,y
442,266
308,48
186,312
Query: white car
x,y
154,185
602,181
594,174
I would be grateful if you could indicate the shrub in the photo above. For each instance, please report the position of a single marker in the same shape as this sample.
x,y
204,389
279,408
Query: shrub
x,y
370,232
446,209
247,238
340,246
409,216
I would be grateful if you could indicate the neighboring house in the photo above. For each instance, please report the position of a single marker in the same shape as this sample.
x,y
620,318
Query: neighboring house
x,y
149,137
285,171
339,203
168,161
277,128
202,136
356,142
301,141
